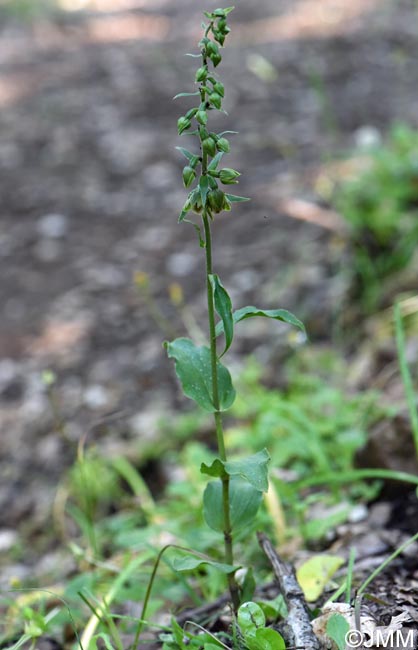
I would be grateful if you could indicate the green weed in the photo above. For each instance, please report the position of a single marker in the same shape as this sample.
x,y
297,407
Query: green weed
x,y
381,208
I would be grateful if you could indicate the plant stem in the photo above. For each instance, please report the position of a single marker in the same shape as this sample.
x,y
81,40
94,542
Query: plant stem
x,y
229,554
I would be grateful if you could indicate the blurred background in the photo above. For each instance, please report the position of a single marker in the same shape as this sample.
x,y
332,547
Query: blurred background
x,y
96,272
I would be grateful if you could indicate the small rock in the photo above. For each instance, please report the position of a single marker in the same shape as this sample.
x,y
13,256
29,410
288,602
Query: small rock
x,y
160,175
181,264
367,137
96,397
53,226
358,513
7,539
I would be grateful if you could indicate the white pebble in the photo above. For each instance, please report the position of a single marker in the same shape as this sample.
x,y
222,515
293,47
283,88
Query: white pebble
x,y
53,226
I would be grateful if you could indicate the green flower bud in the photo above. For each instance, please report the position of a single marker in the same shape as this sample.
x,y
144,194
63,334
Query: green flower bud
x,y
228,176
209,146
197,204
216,59
183,124
188,176
219,88
201,74
215,100
227,205
202,117
212,48
192,112
221,24
216,200
223,145
219,12
219,37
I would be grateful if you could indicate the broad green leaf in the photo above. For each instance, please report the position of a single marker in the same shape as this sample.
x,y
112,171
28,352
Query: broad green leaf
x,y
236,199
250,618
215,161
223,306
190,563
216,470
276,314
252,469
204,188
337,628
266,639
193,368
314,574
186,95
244,503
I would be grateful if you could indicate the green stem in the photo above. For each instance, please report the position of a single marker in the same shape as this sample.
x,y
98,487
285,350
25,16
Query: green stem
x,y
229,554
228,544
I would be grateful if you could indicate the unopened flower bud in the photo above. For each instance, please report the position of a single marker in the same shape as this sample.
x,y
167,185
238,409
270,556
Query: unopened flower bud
x,y
192,112
221,24
216,200
211,48
228,176
202,117
219,37
219,88
216,100
216,59
209,146
201,74
219,13
183,124
223,145
188,176
195,201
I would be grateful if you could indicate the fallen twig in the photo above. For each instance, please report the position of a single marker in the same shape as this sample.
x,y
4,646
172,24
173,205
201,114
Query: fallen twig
x,y
297,630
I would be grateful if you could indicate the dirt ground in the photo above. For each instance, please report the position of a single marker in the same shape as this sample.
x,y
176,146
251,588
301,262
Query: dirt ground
x,y
90,192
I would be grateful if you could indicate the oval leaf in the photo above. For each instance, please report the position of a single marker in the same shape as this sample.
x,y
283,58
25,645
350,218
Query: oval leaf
x,y
250,619
244,503
337,628
268,639
314,574
276,314
253,469
223,306
193,368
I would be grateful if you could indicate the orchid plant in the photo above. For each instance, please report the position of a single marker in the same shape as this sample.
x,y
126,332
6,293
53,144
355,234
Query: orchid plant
x,y
234,493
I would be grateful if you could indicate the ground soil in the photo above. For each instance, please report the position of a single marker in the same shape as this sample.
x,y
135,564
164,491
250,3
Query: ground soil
x,y
90,194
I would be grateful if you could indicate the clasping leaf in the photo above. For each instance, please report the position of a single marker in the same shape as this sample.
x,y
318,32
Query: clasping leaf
x,y
223,306
193,368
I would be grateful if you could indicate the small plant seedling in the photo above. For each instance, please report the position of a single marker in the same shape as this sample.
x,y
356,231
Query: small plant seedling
x,y
230,502
252,625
